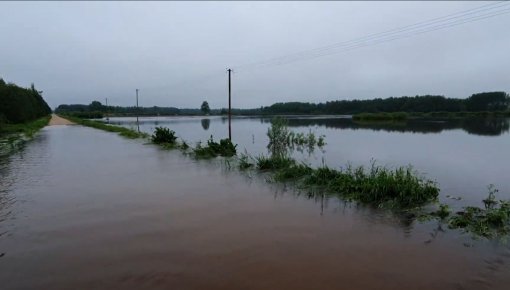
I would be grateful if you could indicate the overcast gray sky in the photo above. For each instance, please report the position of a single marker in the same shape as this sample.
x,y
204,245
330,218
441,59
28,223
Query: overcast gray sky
x,y
176,53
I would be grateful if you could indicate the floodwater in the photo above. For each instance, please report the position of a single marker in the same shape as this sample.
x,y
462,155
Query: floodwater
x,y
464,156
86,209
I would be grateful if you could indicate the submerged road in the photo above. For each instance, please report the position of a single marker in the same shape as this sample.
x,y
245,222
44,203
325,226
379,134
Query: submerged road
x,y
86,209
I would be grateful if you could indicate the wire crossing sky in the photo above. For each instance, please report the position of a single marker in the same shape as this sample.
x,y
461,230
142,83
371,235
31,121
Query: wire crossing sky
x,y
467,16
177,53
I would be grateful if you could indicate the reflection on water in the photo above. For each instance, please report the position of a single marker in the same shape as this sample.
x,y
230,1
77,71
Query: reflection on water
x,y
103,212
205,124
491,126
476,126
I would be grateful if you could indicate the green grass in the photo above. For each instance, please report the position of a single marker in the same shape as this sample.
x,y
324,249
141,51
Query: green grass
x,y
163,135
12,136
274,162
293,172
122,131
28,128
400,188
492,221
212,149
244,161
378,186
282,139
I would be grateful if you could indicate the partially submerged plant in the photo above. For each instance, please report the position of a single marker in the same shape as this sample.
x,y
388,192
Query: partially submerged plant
x,y
274,162
213,149
163,135
491,221
244,161
282,140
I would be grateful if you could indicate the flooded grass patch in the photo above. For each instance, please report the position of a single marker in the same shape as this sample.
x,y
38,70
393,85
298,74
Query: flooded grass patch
x,y
490,222
122,131
28,128
212,149
400,188
13,136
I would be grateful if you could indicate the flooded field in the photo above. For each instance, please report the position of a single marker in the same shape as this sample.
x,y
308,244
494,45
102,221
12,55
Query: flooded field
x,y
463,155
81,209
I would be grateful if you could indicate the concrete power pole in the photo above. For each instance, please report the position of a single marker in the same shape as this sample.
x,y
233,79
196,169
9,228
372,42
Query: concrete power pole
x,y
107,118
229,106
137,112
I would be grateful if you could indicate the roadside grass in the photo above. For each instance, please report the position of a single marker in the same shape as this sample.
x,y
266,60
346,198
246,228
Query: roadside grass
x,y
28,128
122,131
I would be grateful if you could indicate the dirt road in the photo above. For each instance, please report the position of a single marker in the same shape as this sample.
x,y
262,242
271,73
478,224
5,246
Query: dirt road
x,y
56,120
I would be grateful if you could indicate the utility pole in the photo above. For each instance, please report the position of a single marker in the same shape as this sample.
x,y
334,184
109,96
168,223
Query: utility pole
x,y
137,112
107,118
229,106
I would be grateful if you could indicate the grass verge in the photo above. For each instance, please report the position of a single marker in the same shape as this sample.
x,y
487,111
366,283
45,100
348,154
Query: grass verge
x,y
122,131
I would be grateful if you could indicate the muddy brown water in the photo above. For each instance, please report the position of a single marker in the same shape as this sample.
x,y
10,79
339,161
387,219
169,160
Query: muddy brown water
x,y
86,209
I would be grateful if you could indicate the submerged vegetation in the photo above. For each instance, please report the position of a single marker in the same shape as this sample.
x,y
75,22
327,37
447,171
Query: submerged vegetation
x,y
400,189
282,139
492,221
12,136
27,128
125,132
163,135
213,149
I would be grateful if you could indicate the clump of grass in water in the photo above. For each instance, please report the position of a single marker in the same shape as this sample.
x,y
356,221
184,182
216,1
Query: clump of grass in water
x,y
282,140
491,221
274,162
213,149
379,186
244,161
293,172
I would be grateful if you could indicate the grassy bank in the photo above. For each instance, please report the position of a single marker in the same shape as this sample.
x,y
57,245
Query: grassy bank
x,y
27,128
125,132
13,136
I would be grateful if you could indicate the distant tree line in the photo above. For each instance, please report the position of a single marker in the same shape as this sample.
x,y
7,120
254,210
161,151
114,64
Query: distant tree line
x,y
19,105
490,101
98,110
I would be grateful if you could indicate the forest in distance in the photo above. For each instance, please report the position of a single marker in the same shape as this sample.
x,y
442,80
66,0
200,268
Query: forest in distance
x,y
480,102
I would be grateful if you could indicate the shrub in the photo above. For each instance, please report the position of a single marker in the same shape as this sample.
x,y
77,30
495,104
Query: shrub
x,y
163,135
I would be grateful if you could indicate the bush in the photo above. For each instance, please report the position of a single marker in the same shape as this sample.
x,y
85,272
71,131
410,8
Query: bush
x,y
163,135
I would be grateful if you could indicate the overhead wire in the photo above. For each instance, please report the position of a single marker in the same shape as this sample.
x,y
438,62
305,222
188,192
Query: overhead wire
x,y
392,34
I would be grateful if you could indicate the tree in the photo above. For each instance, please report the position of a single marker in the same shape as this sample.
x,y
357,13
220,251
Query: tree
x,y
96,106
205,108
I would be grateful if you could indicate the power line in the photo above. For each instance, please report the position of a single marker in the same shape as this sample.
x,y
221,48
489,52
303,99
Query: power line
x,y
420,27
388,39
